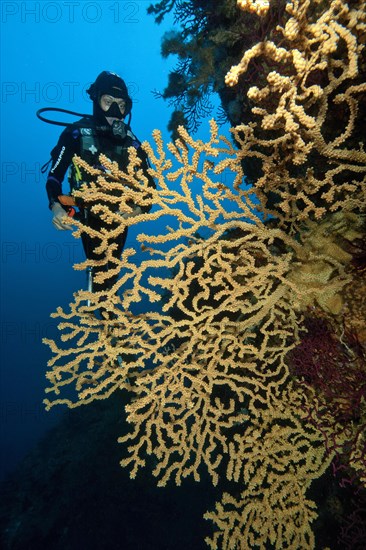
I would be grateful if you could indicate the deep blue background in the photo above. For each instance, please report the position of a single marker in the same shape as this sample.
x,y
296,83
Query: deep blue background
x,y
50,52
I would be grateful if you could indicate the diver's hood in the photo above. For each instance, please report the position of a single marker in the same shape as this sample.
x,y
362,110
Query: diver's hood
x,y
111,84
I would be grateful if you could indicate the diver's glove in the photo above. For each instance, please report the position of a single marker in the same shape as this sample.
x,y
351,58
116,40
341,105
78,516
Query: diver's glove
x,y
59,216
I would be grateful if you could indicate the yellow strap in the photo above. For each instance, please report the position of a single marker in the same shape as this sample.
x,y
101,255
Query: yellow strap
x,y
78,176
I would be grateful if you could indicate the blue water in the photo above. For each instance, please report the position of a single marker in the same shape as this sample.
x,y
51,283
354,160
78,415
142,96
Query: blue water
x,y
50,53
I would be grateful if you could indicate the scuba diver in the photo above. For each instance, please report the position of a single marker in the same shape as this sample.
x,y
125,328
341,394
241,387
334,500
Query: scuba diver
x,y
104,132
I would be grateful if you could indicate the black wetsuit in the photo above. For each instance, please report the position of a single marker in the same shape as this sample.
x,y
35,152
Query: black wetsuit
x,y
116,149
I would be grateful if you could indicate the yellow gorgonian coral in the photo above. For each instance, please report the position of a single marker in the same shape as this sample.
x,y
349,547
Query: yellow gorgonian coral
x,y
259,7
310,163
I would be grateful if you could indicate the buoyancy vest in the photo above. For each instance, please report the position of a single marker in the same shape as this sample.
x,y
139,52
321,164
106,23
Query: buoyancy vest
x,y
93,143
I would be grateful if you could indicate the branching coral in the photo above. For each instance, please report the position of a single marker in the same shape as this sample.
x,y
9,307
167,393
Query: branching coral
x,y
280,457
318,167
200,325
208,369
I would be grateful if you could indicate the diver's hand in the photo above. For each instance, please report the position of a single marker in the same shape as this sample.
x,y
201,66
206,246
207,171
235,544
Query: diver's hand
x,y
59,216
136,211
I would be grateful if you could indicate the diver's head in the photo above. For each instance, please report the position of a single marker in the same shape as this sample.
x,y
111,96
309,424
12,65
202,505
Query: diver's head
x,y
111,102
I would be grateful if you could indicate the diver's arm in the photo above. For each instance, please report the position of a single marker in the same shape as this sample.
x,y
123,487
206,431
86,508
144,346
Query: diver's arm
x,y
62,155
